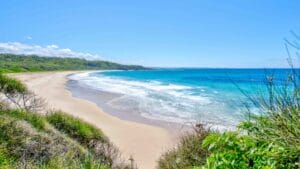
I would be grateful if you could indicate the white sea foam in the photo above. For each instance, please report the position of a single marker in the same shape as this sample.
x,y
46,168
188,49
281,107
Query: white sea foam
x,y
157,100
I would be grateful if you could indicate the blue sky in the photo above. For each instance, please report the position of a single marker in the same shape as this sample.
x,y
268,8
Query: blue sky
x,y
167,33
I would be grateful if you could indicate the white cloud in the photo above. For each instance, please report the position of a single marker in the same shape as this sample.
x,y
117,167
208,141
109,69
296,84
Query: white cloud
x,y
28,37
49,50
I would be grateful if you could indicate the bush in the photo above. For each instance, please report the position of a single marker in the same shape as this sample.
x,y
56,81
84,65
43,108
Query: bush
x,y
188,153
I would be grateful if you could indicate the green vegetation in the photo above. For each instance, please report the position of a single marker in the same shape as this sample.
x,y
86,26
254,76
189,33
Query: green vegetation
x,y
86,134
270,140
33,63
188,153
36,120
52,141
76,128
24,146
11,86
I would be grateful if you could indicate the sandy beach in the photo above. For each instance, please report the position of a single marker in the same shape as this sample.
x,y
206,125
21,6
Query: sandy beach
x,y
142,141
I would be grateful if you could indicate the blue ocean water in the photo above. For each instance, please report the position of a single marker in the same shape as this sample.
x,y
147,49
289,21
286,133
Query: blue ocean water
x,y
211,96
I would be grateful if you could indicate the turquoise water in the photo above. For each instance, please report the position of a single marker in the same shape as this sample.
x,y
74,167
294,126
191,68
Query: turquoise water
x,y
210,96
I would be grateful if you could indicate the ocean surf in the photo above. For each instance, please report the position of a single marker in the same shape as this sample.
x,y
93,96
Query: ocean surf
x,y
210,96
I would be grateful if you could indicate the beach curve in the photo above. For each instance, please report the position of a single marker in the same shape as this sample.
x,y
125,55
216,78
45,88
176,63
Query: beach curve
x,y
142,141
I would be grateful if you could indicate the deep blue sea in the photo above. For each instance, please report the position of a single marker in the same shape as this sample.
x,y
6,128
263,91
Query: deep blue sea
x,y
210,96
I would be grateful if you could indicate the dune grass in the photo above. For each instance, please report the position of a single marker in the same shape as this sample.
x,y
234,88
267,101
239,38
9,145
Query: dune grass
x,y
36,120
188,153
29,139
76,128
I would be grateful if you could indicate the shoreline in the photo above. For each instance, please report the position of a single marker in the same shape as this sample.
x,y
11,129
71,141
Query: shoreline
x,y
121,105
101,99
145,142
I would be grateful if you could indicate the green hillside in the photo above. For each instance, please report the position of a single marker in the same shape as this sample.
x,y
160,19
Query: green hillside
x,y
33,63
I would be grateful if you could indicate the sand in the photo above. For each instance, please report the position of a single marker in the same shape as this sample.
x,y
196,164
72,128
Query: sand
x,y
143,141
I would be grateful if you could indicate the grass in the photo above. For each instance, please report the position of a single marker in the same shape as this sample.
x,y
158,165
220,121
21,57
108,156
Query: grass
x,y
188,153
25,144
87,135
10,85
76,128
33,140
36,120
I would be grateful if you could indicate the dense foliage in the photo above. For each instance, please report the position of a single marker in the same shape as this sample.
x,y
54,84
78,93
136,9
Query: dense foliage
x,y
32,63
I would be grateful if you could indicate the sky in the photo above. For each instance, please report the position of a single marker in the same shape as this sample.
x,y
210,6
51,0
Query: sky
x,y
159,33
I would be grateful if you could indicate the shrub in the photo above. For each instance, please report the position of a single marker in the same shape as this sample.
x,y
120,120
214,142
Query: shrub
x,y
188,153
231,150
